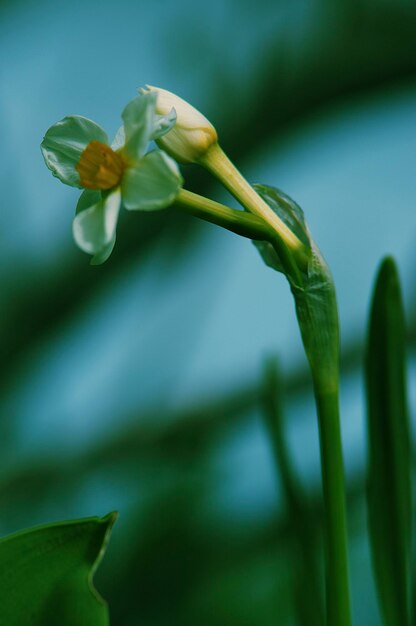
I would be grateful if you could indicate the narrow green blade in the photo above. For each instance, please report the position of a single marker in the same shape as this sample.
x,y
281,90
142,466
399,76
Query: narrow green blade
x,y
46,574
389,488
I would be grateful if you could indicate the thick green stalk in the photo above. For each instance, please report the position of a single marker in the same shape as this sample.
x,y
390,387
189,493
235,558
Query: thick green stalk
x,y
337,577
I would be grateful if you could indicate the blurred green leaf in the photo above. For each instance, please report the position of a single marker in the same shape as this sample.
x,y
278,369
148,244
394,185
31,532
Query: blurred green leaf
x,y
46,574
389,488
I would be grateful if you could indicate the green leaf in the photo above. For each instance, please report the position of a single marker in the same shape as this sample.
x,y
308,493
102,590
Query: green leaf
x,y
389,464
138,118
64,143
46,574
152,184
94,226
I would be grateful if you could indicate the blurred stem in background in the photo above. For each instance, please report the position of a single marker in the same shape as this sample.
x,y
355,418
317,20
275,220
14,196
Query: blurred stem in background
x,y
307,593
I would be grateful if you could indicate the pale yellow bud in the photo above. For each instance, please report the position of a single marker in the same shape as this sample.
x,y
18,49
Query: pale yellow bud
x,y
192,134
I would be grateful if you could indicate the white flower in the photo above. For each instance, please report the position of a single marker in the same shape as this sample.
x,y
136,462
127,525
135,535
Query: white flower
x,y
77,151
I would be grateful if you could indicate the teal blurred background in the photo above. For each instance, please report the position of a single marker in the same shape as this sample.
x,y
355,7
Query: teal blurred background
x,y
139,385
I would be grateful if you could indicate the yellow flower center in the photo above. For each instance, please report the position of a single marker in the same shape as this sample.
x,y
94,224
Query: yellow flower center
x,y
99,166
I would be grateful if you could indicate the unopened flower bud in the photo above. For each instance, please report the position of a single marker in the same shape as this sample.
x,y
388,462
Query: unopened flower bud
x,y
192,134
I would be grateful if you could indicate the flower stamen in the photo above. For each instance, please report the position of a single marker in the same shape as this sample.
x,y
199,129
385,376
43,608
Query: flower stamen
x,y
99,166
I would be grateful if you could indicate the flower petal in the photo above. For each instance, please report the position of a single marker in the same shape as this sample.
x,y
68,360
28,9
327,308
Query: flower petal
x,y
87,199
94,226
119,140
152,184
101,257
164,121
163,124
64,143
138,118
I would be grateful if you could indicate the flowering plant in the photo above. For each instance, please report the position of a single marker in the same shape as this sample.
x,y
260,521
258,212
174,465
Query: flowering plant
x,y
124,173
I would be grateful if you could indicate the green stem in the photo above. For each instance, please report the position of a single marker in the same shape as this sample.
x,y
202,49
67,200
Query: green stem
x,y
337,578
238,222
